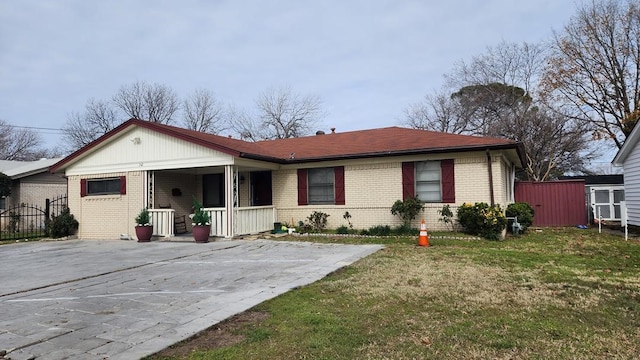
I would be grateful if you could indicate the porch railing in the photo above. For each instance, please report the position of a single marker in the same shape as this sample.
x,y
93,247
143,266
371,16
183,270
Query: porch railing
x,y
162,221
249,220
218,218
255,219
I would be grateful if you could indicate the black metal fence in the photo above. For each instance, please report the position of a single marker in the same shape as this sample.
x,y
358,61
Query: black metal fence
x,y
28,221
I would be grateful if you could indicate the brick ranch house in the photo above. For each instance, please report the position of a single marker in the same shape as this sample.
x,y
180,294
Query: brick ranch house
x,y
247,186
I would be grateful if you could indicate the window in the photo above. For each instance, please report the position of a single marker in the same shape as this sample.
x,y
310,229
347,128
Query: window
x,y
430,181
105,186
321,186
3,202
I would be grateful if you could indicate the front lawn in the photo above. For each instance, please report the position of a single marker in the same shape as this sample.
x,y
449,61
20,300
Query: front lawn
x,y
557,293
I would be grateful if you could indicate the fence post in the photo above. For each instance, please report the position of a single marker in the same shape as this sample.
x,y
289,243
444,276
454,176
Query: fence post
x,y
47,216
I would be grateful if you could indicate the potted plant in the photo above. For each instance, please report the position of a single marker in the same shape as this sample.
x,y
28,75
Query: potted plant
x,y
144,229
201,223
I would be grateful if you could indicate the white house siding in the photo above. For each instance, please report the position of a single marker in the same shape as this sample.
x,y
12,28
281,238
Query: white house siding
x,y
371,188
153,151
631,168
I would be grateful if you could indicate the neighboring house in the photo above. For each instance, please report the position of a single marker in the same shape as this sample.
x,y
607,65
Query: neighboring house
x,y
628,157
247,186
32,183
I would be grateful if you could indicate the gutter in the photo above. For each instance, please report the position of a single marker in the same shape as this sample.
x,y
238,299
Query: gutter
x,y
490,170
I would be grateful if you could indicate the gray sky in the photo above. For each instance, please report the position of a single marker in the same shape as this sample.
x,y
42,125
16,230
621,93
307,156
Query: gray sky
x,y
367,60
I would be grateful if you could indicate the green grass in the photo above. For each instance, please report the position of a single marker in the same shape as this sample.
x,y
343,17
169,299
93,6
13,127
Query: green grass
x,y
558,293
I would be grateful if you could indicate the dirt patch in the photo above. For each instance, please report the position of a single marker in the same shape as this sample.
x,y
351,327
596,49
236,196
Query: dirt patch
x,y
222,334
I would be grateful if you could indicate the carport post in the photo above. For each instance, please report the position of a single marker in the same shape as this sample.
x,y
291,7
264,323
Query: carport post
x,y
229,200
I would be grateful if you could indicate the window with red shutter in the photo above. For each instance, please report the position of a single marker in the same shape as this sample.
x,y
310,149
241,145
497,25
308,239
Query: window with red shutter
x,y
431,181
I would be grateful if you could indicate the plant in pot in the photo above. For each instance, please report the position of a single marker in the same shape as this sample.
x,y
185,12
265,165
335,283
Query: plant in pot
x,y
144,229
201,223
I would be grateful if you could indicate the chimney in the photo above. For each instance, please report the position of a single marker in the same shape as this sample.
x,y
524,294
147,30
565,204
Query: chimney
x,y
333,130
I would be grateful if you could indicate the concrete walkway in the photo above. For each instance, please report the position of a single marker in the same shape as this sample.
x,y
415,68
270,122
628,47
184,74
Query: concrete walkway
x,y
125,300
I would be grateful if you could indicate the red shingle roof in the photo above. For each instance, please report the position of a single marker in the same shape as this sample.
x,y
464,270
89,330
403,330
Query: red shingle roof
x,y
352,144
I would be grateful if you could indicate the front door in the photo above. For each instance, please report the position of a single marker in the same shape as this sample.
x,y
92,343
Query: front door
x,y
213,190
261,188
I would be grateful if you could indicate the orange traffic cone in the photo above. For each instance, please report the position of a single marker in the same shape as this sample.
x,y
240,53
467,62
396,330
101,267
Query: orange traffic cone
x,y
424,237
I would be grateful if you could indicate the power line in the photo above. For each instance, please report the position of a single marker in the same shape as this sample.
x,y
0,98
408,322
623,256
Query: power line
x,y
34,128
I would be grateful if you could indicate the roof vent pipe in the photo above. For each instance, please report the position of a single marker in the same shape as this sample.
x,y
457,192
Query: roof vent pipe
x,y
333,130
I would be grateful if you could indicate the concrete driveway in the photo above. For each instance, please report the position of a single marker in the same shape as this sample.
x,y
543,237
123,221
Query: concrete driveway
x,y
125,300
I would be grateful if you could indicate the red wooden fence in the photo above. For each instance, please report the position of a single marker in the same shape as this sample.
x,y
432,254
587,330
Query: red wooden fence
x,y
556,203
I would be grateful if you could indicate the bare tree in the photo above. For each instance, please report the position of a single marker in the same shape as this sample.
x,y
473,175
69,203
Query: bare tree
x,y
98,118
203,112
280,114
594,71
19,144
244,124
284,114
437,113
494,96
152,102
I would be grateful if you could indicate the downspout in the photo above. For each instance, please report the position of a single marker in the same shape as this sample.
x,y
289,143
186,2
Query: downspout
x,y
490,178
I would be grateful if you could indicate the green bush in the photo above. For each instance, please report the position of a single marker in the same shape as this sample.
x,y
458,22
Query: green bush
x,y
403,230
523,211
408,209
482,220
446,216
342,230
318,221
379,230
64,224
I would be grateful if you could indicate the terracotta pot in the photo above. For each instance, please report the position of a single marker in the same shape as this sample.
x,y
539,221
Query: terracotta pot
x,y
144,233
201,233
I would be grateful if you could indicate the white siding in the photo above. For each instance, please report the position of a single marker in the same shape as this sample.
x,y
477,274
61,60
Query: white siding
x,y
142,149
631,168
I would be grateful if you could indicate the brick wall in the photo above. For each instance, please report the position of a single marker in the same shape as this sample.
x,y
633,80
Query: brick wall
x,y
107,216
371,190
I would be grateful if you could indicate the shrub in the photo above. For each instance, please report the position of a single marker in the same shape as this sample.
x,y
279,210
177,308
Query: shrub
x,y
318,220
342,230
523,211
143,218
408,209
482,220
446,216
64,224
405,230
379,230
347,217
200,217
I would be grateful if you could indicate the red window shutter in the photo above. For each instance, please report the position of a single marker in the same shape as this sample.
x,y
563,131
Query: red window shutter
x,y
302,187
338,173
448,181
408,180
123,185
83,187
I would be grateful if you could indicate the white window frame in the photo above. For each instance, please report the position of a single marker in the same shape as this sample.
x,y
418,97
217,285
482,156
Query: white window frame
x,y
321,193
428,178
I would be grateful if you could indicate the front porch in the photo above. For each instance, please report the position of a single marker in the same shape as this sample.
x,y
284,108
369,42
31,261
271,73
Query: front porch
x,y
238,201
248,220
